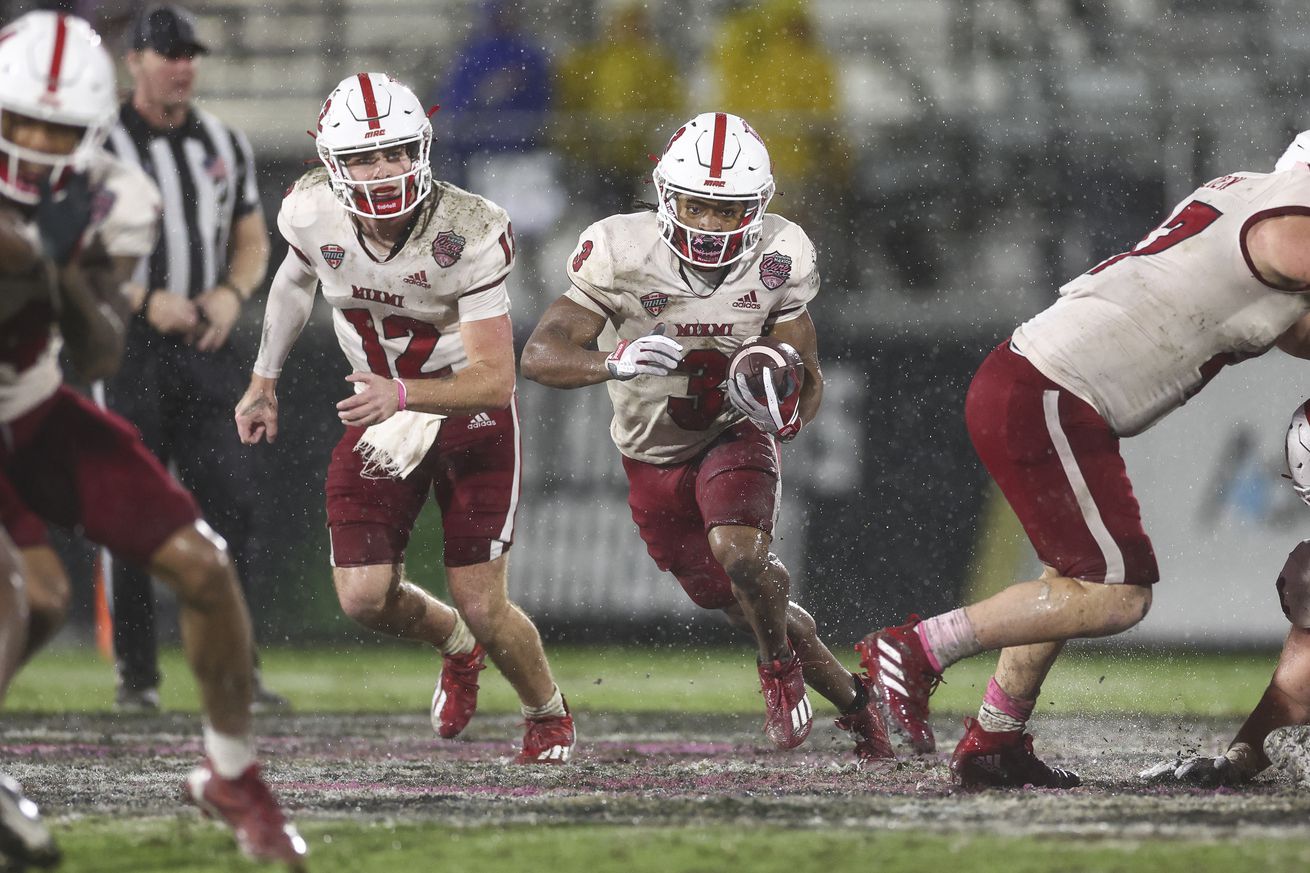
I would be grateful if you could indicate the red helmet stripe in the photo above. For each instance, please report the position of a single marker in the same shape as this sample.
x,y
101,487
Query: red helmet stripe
x,y
370,102
57,60
716,153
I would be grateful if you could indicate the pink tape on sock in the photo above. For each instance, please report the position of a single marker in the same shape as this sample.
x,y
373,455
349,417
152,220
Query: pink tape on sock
x,y
1019,710
927,647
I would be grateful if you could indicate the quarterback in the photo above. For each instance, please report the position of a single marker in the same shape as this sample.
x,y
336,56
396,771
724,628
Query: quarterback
x,y
1223,279
415,272
87,219
670,295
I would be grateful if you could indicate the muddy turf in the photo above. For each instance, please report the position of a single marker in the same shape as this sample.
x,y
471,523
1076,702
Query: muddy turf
x,y
689,770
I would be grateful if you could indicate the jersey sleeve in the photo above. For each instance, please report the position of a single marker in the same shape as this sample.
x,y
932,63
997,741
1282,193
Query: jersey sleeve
x,y
490,256
292,216
591,272
802,283
488,303
131,208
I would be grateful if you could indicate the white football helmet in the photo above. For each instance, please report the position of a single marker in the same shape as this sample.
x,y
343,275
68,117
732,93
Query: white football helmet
x,y
52,68
715,156
1298,453
371,111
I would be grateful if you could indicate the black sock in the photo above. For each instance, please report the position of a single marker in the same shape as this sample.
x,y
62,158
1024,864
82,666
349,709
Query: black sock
x,y
861,697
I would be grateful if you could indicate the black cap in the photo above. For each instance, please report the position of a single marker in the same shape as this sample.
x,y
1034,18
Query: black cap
x,y
169,30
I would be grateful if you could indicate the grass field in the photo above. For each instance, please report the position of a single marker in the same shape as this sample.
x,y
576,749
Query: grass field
x,y
671,773
660,679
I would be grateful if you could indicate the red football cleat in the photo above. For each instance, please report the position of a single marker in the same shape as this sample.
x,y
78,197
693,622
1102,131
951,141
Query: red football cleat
x,y
903,681
456,697
788,715
867,727
548,740
247,806
1003,760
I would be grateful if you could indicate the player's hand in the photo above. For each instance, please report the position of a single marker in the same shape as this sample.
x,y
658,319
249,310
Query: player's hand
x,y
256,413
651,355
769,415
376,403
219,308
62,217
1195,770
167,312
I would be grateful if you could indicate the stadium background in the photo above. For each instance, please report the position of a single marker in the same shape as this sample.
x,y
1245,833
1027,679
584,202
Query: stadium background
x,y
984,151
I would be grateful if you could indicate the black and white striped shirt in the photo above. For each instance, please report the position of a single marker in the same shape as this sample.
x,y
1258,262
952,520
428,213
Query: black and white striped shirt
x,y
205,171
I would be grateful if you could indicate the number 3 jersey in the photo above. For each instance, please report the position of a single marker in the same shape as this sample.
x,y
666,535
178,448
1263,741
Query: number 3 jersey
x,y
400,315
1143,331
622,270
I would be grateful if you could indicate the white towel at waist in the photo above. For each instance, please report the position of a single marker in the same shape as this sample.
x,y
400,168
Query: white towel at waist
x,y
393,448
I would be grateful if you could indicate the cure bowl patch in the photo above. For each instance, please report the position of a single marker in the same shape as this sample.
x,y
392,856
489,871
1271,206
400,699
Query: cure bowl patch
x,y
447,247
775,268
654,302
334,255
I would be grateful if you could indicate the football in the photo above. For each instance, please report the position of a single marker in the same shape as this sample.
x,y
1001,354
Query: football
x,y
765,352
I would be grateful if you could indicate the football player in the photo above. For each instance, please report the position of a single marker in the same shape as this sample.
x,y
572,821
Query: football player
x,y
24,838
415,271
670,294
86,219
1224,278
1278,730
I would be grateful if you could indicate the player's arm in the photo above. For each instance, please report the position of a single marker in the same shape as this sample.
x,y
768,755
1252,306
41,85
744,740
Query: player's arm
x,y
19,252
290,302
487,382
94,312
1286,701
799,334
1279,248
1295,340
559,353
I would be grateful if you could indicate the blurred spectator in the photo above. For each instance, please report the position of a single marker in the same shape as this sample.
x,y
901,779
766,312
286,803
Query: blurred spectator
x,y
770,68
180,372
614,94
494,110
497,92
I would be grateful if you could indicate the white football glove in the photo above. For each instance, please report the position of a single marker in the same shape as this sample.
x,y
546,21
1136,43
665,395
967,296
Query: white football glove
x,y
778,416
1230,769
651,355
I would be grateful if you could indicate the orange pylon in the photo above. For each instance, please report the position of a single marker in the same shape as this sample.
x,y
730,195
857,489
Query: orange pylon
x,y
104,624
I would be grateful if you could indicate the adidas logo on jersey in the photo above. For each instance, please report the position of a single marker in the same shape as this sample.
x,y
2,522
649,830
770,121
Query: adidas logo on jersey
x,y
746,301
420,279
481,420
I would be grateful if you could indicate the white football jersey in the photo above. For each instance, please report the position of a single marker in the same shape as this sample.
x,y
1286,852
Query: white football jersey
x,y
1143,331
125,208
622,270
399,316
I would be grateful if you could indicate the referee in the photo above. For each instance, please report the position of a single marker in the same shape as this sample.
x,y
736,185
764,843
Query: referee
x,y
179,373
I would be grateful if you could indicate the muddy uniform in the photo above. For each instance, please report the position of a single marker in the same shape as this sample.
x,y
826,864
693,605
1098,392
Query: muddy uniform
x,y
692,461
64,459
399,317
1127,342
